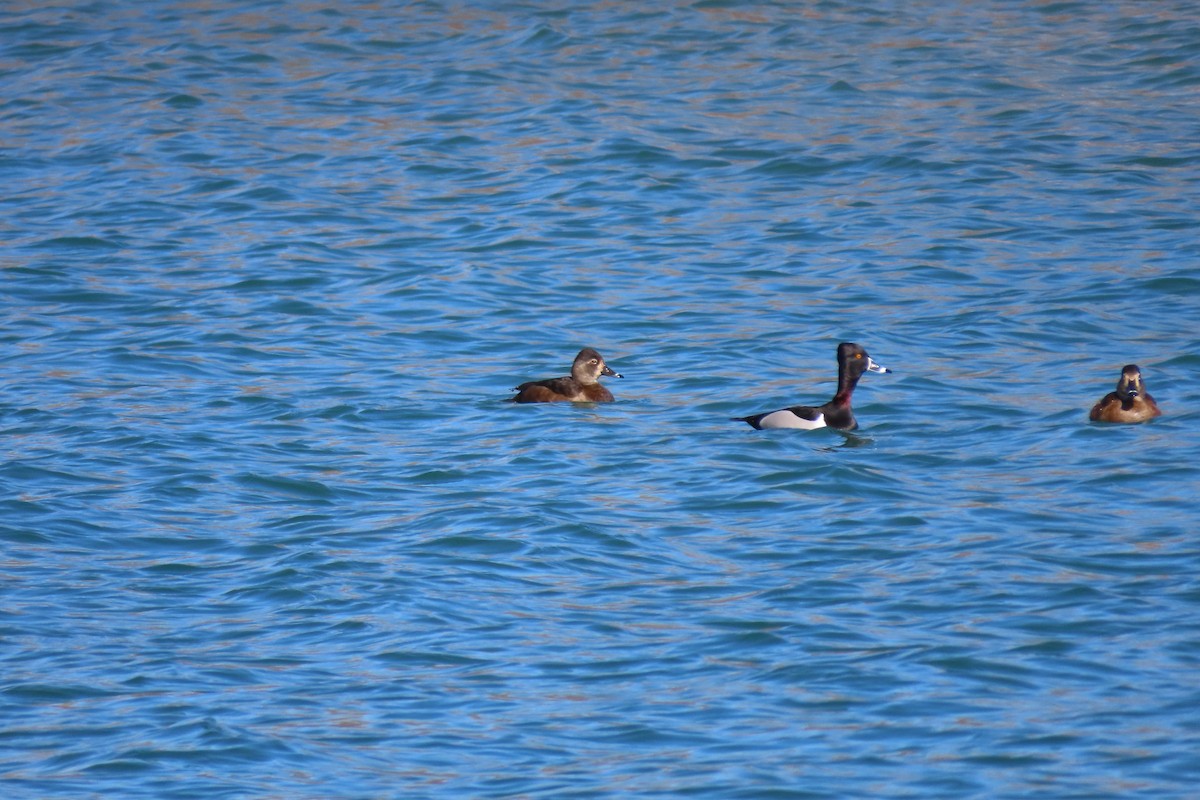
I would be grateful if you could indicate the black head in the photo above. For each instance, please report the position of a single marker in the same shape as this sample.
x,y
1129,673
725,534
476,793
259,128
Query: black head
x,y
853,360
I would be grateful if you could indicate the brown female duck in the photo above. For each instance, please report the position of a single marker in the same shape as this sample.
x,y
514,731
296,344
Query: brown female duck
x,y
581,386
1129,403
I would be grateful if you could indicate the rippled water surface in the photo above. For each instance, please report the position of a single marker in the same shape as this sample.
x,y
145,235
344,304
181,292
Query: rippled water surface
x,y
271,529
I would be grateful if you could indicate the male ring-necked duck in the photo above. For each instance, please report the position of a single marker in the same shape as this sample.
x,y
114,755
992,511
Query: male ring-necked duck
x,y
1129,403
582,386
853,361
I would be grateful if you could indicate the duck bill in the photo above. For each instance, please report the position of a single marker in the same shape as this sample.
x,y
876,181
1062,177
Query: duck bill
x,y
609,371
873,367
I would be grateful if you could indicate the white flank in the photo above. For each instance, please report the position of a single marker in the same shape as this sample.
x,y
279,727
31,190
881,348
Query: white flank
x,y
786,419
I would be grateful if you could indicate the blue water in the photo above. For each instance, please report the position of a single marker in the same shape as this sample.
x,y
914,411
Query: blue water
x,y
270,528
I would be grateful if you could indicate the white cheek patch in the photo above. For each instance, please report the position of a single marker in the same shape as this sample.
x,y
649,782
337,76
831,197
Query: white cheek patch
x,y
786,419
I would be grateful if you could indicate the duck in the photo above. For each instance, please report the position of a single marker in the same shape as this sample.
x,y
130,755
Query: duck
x,y
853,361
1129,403
581,386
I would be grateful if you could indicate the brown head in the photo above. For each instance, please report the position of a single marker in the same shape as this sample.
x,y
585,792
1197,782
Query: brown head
x,y
1129,385
589,366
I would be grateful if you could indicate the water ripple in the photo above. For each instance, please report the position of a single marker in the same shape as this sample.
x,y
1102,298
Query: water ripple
x,y
272,528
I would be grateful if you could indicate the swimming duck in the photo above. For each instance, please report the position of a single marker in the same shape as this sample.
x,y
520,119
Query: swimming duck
x,y
853,361
1129,403
582,386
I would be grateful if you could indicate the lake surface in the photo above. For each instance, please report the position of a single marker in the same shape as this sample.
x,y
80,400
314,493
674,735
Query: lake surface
x,y
271,529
